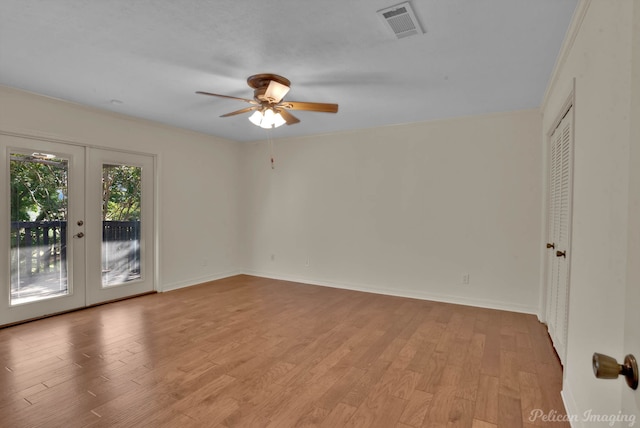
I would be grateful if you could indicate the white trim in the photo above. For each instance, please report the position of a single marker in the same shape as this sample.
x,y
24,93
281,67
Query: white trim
x,y
400,292
197,281
570,406
565,50
569,102
41,136
157,212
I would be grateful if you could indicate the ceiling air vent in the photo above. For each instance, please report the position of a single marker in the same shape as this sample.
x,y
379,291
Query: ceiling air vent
x,y
401,20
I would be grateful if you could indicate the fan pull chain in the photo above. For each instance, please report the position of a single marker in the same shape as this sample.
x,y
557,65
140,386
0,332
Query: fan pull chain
x,y
270,142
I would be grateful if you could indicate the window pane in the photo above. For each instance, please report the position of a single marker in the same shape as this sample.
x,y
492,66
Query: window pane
x,y
39,205
121,196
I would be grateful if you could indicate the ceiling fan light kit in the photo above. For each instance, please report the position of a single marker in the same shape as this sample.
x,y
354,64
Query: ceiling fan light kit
x,y
269,109
267,119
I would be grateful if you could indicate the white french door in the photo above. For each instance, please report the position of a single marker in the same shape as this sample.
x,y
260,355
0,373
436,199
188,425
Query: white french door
x,y
42,255
119,210
76,228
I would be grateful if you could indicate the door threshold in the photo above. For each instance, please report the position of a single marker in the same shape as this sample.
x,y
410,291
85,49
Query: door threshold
x,y
76,310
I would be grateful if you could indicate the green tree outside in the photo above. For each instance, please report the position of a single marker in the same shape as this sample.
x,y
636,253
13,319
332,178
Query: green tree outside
x,y
121,191
39,190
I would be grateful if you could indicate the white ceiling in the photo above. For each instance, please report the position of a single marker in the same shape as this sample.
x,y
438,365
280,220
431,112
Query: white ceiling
x,y
476,57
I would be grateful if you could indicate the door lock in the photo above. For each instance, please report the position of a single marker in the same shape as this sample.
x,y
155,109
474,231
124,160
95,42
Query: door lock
x,y
606,367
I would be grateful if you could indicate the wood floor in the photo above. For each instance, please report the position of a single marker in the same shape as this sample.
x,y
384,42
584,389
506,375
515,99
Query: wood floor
x,y
254,352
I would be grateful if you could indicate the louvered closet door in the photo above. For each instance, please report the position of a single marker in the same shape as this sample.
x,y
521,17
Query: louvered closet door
x,y
559,232
553,204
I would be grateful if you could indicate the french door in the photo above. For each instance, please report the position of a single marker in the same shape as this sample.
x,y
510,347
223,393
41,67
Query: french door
x,y
76,229
119,211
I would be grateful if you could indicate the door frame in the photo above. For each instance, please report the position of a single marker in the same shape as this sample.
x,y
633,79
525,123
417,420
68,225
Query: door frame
x,y
154,247
568,107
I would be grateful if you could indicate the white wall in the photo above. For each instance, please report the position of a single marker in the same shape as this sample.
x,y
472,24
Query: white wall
x,y
197,178
598,55
403,210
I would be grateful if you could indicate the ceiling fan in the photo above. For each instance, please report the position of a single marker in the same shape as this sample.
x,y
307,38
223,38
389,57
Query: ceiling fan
x,y
270,110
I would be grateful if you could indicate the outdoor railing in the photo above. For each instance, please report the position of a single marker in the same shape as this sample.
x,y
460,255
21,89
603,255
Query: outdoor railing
x,y
40,247
120,251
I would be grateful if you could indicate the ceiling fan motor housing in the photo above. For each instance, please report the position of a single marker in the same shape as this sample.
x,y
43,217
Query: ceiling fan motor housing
x,y
260,83
262,80
259,94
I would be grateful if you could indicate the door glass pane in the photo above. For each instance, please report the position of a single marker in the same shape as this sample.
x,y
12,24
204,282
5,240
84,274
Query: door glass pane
x,y
39,206
121,195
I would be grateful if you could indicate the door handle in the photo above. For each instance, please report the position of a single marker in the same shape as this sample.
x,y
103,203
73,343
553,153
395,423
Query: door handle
x,y
606,367
561,254
551,245
78,235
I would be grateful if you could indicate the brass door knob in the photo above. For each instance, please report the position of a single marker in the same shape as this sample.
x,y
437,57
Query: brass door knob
x,y
552,245
78,235
606,367
561,254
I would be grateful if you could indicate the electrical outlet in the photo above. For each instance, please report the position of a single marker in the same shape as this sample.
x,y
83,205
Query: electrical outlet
x,y
465,279
307,262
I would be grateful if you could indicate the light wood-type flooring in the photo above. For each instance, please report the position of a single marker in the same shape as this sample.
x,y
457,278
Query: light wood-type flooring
x,y
255,352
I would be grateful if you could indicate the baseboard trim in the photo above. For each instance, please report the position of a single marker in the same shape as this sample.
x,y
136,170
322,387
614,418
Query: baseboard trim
x,y
197,281
412,294
570,407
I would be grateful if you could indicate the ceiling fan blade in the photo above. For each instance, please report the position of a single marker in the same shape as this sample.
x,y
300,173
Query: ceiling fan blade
x,y
244,110
228,96
298,105
276,91
288,117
